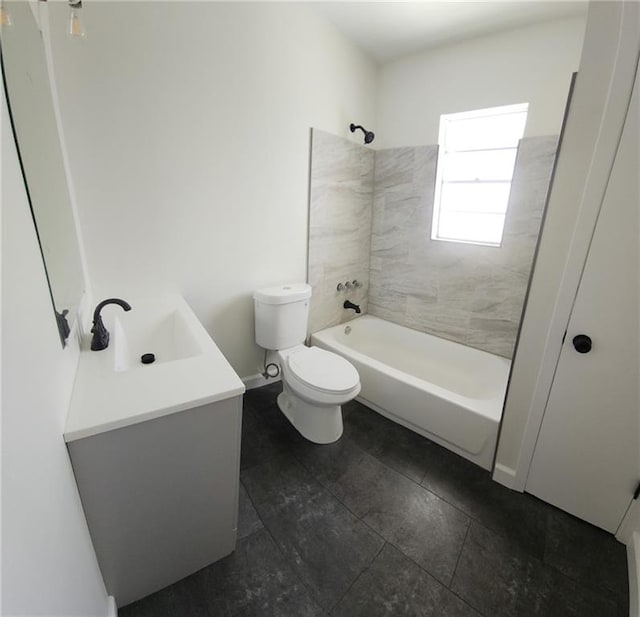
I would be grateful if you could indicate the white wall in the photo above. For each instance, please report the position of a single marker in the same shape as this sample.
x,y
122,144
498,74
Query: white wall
x,y
48,564
188,131
532,64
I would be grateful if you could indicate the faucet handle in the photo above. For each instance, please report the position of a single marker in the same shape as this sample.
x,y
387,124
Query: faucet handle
x,y
100,338
356,283
340,287
348,284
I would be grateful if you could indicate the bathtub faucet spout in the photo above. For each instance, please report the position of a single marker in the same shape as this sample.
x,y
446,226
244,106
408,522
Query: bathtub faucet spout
x,y
351,305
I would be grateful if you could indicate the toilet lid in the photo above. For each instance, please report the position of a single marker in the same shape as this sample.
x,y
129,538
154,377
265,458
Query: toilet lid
x,y
323,370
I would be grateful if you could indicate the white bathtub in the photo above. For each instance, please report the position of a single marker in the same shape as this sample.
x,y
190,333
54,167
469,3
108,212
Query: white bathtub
x,y
450,393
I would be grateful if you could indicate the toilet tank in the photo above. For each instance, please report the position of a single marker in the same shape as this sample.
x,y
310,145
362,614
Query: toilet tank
x,y
281,315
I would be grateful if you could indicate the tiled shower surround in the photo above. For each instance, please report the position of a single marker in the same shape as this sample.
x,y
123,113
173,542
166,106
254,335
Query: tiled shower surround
x,y
467,293
340,212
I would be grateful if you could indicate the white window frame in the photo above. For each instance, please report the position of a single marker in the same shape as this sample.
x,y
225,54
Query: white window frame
x,y
445,121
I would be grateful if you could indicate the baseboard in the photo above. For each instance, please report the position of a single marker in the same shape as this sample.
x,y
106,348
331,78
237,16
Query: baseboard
x,y
257,381
112,609
633,562
505,476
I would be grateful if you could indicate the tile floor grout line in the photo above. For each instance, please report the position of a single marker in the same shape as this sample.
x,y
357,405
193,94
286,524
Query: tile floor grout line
x,y
404,475
444,498
455,569
601,591
361,518
296,458
609,593
277,446
384,541
541,557
436,579
385,464
330,492
410,558
336,497
469,515
346,507
284,557
483,523
428,490
357,578
610,596
466,603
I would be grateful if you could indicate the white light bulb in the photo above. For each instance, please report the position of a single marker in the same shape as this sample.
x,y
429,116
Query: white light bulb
x,y
76,28
5,16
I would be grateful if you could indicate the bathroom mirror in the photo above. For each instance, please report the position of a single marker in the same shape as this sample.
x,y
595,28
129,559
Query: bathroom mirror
x,y
30,103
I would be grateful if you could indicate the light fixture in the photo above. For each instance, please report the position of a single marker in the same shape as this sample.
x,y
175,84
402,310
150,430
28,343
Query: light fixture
x,y
76,28
5,16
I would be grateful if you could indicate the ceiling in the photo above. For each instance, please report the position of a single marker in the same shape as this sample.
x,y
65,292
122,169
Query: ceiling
x,y
389,30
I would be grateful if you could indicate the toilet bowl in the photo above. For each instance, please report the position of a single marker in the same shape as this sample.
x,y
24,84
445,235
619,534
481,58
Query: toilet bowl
x,y
316,383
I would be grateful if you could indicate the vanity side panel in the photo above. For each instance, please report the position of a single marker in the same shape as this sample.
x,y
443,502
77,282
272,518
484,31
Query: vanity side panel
x,y
161,497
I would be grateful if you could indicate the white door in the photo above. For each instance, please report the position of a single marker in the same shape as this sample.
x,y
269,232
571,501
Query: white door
x,y
586,459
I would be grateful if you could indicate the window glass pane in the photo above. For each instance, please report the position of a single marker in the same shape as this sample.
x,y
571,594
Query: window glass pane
x,y
474,197
484,228
501,131
483,165
475,167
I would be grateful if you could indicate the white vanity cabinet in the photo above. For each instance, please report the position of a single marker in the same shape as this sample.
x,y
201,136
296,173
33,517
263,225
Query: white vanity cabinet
x,y
161,496
155,448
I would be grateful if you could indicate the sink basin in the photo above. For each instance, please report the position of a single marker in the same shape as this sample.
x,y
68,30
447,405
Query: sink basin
x,y
161,331
113,389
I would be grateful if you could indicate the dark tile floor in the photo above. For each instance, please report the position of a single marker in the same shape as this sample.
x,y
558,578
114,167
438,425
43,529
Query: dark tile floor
x,y
385,522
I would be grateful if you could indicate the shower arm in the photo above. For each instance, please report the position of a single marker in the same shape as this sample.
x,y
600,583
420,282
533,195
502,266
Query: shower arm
x,y
368,135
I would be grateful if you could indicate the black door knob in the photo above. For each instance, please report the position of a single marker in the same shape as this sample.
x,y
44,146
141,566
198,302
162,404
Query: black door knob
x,y
582,343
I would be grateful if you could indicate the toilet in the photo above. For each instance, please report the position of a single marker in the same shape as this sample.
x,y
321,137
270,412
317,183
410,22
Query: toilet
x,y
316,383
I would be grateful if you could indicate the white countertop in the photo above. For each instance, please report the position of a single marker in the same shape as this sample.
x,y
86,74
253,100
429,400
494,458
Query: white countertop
x,y
104,399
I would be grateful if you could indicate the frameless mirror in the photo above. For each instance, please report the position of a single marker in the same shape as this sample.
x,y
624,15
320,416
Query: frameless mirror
x,y
30,102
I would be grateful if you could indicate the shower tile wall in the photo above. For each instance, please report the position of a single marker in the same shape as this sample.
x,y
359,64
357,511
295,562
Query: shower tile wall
x,y
466,293
341,191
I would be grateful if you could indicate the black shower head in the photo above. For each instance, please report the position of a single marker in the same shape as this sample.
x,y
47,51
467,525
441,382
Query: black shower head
x,y
368,135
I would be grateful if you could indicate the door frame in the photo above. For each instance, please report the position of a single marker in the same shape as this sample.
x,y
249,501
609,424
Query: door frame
x,y
629,533
593,129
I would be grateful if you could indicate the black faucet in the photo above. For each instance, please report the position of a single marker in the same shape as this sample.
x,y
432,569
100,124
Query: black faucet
x,y
100,338
351,305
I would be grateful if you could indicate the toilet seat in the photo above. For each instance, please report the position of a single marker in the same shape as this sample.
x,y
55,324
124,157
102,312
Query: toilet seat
x,y
322,371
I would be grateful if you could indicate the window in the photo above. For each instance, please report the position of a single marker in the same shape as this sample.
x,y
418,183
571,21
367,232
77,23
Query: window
x,y
475,165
